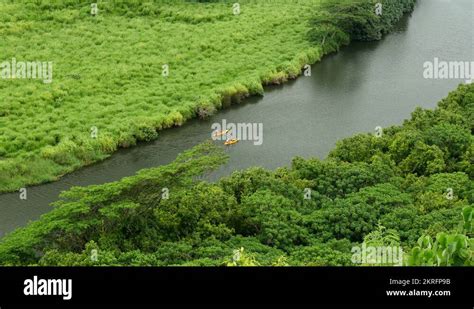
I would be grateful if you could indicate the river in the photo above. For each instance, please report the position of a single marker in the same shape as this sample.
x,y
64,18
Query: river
x,y
363,86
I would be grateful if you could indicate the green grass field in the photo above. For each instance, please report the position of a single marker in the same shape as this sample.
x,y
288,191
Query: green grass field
x,y
107,73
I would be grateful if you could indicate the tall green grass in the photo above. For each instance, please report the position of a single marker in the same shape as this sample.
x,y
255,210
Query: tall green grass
x,y
107,73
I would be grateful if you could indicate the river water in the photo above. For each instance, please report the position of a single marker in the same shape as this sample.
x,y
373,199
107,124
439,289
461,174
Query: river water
x,y
363,86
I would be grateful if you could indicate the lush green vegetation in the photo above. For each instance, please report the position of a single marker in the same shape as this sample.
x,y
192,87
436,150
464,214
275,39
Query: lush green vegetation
x,y
406,187
107,73
338,22
107,69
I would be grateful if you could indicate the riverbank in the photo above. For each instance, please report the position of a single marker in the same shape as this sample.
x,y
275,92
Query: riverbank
x,y
414,180
76,146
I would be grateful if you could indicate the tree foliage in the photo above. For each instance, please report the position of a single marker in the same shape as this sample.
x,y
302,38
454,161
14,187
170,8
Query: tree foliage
x,y
339,22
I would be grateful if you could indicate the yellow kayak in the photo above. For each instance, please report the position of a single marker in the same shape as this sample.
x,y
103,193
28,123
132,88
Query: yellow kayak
x,y
217,134
231,141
